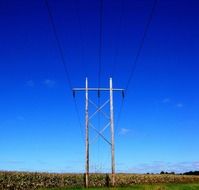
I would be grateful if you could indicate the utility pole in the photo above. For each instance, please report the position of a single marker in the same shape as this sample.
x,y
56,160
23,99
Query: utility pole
x,y
87,136
112,133
88,124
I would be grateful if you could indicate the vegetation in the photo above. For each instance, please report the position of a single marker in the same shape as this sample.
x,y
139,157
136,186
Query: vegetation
x,y
186,173
191,173
29,181
144,187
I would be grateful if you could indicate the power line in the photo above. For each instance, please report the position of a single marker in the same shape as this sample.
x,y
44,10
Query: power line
x,y
100,53
78,117
137,57
114,68
76,3
50,16
141,45
114,65
119,116
100,43
100,64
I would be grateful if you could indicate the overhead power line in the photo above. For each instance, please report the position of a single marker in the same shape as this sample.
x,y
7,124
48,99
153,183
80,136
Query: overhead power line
x,y
82,49
137,58
50,16
100,64
141,44
100,43
118,45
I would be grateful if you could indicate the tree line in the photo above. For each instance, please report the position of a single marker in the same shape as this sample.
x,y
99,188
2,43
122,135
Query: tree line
x,y
173,173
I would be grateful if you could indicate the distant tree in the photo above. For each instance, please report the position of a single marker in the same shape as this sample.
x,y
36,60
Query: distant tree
x,y
191,173
162,172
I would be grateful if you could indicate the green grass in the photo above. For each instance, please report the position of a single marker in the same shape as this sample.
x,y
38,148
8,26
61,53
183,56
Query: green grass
x,y
142,187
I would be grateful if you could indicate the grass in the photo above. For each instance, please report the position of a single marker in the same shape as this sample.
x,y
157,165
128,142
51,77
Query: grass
x,y
141,187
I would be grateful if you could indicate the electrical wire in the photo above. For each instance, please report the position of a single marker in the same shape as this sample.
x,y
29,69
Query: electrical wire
x,y
100,54
100,44
141,45
119,116
76,3
101,2
116,52
137,57
50,16
79,120
51,20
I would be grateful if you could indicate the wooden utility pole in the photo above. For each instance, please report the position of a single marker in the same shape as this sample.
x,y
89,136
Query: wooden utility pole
x,y
112,134
88,124
87,136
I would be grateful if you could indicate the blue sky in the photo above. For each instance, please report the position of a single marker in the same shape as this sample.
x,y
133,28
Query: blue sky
x,y
158,126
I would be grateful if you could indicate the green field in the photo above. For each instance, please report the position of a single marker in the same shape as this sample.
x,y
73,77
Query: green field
x,y
142,187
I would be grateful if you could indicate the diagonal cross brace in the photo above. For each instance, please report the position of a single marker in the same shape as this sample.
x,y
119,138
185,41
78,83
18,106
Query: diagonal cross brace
x,y
98,109
100,134
105,115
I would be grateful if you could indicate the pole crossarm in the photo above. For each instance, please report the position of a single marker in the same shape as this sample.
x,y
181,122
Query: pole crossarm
x,y
98,89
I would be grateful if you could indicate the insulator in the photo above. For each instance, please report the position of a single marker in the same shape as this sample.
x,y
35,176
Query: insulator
x,y
122,93
73,93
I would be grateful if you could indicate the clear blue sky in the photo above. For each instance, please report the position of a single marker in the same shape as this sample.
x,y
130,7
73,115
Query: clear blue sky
x,y
159,124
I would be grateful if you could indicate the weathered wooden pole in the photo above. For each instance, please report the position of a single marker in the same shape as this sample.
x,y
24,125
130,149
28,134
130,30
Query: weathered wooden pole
x,y
112,134
87,137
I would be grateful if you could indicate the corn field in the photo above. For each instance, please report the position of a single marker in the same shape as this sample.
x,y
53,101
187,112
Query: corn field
x,y
30,181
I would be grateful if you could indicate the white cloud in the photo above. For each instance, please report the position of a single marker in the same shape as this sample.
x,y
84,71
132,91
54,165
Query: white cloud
x,y
30,83
168,100
49,83
158,166
124,131
179,105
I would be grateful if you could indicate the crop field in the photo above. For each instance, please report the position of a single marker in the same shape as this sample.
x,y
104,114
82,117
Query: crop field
x,y
47,181
142,187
